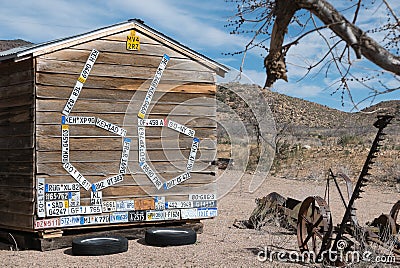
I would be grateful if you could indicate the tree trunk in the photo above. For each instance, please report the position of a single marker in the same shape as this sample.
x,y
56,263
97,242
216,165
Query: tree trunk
x,y
362,44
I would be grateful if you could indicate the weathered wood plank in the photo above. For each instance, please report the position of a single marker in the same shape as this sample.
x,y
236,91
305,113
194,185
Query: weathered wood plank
x,y
13,115
10,67
22,100
16,129
204,130
54,118
16,90
113,167
21,142
22,207
16,78
19,221
124,71
17,180
14,193
120,47
115,144
85,106
174,97
122,59
16,156
120,83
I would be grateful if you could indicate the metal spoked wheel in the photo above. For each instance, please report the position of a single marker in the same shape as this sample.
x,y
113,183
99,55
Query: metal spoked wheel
x,y
314,227
394,212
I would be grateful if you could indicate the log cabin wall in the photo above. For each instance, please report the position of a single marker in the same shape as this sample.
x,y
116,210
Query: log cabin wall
x,y
17,144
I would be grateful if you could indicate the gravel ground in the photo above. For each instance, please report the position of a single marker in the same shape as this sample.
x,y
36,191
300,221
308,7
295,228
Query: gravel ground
x,y
221,244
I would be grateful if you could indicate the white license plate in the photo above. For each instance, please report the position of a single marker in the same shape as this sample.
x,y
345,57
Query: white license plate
x,y
53,212
198,197
61,187
47,223
98,186
173,214
109,206
78,120
95,219
154,215
179,204
118,217
110,127
151,175
192,155
177,180
85,210
40,189
70,221
77,176
96,198
151,122
136,216
159,202
142,144
125,205
198,213
57,196
74,210
64,144
181,128
74,199
123,165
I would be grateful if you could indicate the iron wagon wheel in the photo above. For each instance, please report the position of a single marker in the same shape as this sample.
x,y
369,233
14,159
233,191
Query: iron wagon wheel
x,y
314,226
394,212
386,225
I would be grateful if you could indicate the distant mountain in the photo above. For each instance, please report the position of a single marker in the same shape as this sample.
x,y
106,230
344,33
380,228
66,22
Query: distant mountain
x,y
9,44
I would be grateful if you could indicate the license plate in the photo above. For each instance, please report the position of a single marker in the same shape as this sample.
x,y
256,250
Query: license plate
x,y
142,144
57,196
125,156
109,206
84,210
118,217
179,204
198,213
151,122
181,128
173,214
159,202
52,212
151,175
110,127
70,221
96,198
95,219
64,144
77,176
40,189
74,199
205,204
137,215
98,186
154,215
61,187
177,180
192,155
78,120
74,210
125,205
47,223
144,204
153,86
197,197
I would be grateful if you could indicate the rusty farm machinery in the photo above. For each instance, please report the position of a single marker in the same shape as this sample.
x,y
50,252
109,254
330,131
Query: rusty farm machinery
x,y
311,218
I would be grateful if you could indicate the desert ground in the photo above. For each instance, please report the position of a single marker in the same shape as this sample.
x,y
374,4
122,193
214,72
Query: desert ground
x,y
220,244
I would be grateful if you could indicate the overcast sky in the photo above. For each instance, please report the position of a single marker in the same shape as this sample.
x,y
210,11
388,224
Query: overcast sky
x,y
197,24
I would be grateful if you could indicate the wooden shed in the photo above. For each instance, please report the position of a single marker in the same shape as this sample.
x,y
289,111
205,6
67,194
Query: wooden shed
x,y
112,127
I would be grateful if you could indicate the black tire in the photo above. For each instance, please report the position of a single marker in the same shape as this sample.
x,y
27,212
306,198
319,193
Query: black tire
x,y
170,237
99,245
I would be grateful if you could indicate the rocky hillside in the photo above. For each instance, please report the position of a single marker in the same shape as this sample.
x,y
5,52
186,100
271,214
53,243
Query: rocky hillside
x,y
8,44
311,138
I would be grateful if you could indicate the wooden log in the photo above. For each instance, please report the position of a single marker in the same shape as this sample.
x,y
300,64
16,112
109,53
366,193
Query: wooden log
x,y
160,97
120,83
123,59
118,71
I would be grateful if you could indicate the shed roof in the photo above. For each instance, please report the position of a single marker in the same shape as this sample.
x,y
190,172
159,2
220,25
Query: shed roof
x,y
35,50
